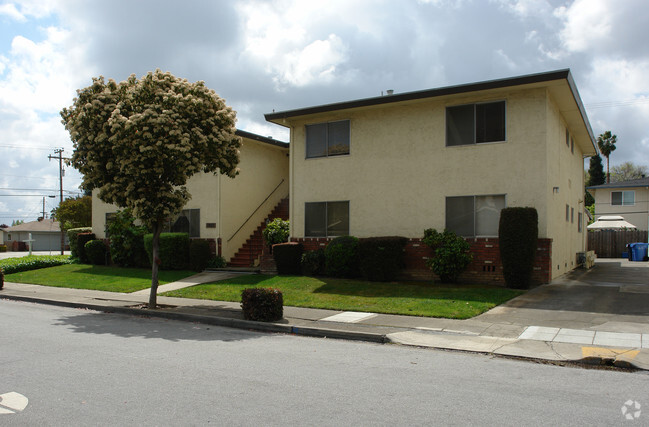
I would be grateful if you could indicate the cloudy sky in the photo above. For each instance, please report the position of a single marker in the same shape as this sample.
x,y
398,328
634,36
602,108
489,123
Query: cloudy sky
x,y
275,55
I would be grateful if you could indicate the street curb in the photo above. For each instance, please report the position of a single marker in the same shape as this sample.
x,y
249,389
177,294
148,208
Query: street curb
x,y
251,325
315,332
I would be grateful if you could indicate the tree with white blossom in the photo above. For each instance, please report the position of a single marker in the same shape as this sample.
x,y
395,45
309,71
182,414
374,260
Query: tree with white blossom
x,y
138,142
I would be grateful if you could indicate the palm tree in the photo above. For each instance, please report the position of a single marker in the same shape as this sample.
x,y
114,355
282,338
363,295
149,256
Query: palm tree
x,y
606,142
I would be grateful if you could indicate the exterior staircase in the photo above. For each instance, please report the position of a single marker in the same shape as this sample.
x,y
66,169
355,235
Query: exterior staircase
x,y
249,253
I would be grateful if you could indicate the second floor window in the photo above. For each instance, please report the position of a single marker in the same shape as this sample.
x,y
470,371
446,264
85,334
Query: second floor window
x,y
623,198
327,139
475,123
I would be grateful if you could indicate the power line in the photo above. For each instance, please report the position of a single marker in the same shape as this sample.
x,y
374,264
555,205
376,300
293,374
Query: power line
x,y
622,103
31,147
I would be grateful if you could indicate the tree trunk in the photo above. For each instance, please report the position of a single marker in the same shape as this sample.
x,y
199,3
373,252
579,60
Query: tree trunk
x,y
608,175
155,265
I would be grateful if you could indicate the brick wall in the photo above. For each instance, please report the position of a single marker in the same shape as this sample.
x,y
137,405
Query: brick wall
x,y
486,266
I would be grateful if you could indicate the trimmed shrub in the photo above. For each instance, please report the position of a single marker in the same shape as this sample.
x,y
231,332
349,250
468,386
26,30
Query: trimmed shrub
x,y
262,304
174,250
518,235
72,237
82,239
381,258
216,262
2,278
313,263
199,254
127,241
341,257
3,248
288,257
33,262
95,251
452,254
276,231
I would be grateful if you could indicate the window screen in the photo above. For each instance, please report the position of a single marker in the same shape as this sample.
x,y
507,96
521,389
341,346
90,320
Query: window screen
x,y
327,139
475,123
490,122
471,216
326,219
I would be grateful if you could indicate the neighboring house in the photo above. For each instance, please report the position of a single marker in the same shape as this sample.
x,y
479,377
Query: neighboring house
x,y
629,199
451,158
2,236
224,210
46,234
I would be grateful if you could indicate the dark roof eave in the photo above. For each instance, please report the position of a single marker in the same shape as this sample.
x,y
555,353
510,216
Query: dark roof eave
x,y
642,182
431,93
264,139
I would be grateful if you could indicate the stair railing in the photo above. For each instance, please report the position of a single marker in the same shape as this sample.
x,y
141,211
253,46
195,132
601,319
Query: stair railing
x,y
255,211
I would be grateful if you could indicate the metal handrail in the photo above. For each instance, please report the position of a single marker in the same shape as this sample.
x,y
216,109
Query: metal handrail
x,y
255,211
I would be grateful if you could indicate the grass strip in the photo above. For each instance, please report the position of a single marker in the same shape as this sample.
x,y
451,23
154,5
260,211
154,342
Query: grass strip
x,y
96,277
407,298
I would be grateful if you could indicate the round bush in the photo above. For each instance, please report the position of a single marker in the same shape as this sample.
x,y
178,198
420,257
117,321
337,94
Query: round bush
x,y
95,252
276,231
341,257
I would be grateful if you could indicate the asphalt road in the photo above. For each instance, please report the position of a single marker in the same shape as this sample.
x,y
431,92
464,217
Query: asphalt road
x,y
79,367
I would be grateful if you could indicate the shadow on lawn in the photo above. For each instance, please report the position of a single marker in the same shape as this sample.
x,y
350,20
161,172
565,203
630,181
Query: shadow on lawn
x,y
419,290
133,273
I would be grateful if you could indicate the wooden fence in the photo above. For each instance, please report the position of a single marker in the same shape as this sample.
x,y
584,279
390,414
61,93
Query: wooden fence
x,y
611,243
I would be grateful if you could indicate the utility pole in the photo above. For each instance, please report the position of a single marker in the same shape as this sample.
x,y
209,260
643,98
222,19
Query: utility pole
x,y
60,158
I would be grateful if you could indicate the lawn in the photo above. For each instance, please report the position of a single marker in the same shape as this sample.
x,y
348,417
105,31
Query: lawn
x,y
96,277
409,298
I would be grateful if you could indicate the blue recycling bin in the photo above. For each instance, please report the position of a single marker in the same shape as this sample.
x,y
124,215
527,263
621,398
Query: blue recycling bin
x,y
638,251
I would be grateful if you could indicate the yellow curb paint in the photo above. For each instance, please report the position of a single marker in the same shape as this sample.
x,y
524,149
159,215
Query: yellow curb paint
x,y
608,352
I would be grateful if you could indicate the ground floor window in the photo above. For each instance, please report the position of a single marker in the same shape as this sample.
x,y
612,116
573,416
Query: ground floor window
x,y
326,219
474,216
189,221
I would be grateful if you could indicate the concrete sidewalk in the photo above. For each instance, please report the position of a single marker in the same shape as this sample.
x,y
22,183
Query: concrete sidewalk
x,y
536,325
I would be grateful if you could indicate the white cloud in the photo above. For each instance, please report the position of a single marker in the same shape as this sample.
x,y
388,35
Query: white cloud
x,y
315,63
9,9
587,22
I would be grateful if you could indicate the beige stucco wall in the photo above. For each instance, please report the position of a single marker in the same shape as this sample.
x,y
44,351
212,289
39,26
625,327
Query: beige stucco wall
x,y
565,173
228,202
637,214
399,170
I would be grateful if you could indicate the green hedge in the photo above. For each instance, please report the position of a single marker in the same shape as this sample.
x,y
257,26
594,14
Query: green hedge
x,y
72,237
288,258
518,235
313,263
199,254
381,258
82,239
341,257
32,262
262,304
95,251
3,248
127,241
174,250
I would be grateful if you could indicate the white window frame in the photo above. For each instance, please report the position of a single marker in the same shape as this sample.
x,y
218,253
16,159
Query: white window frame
x,y
622,203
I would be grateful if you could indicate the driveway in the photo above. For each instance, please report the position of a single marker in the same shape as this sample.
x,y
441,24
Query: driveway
x,y
612,295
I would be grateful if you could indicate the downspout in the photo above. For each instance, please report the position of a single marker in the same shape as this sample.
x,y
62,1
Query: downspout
x,y
218,209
